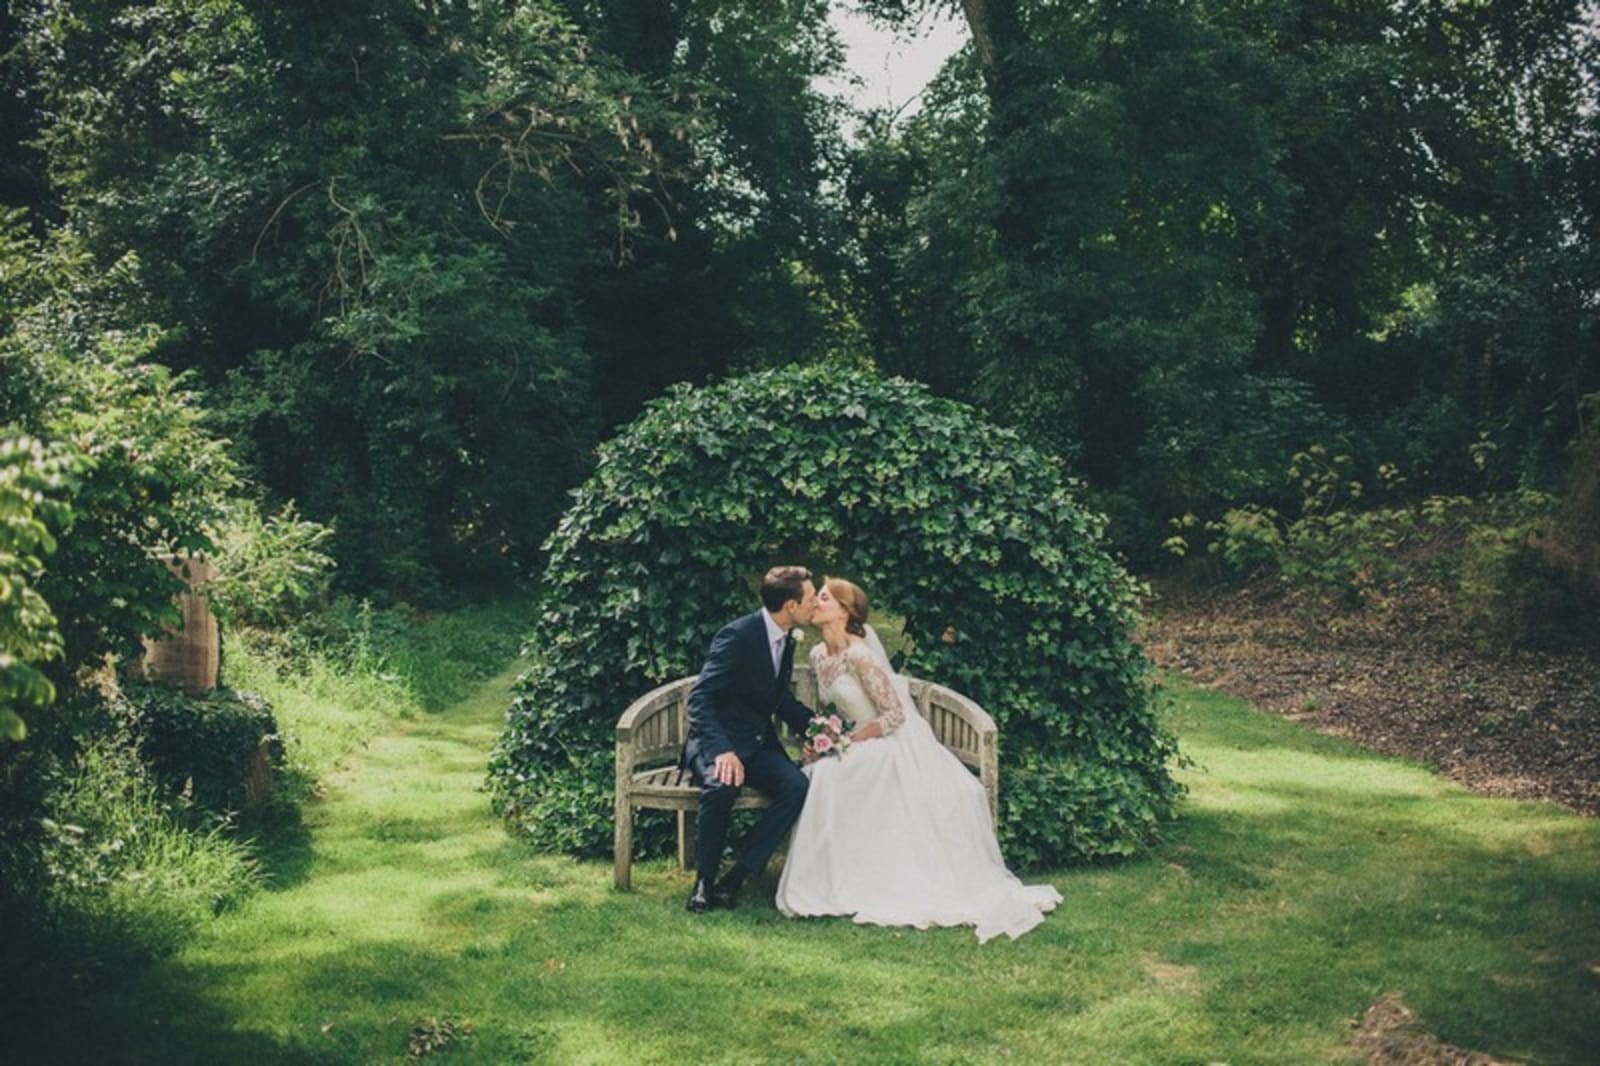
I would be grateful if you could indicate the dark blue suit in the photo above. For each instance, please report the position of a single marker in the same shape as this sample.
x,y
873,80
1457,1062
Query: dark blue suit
x,y
731,709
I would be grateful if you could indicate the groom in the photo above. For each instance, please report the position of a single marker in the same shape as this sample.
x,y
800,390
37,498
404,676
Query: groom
x,y
732,740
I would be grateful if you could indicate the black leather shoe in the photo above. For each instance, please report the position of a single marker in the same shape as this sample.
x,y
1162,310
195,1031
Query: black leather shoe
x,y
726,895
700,900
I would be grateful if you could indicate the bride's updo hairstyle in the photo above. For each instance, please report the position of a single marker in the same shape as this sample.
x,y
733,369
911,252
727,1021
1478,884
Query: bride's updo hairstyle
x,y
849,596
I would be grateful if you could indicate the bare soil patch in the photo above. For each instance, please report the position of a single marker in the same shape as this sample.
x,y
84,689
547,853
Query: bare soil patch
x,y
1391,1035
1397,679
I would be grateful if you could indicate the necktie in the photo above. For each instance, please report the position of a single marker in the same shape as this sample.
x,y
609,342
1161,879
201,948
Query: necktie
x,y
777,655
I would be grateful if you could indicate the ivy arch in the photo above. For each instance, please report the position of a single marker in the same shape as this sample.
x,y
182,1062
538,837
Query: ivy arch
x,y
1008,591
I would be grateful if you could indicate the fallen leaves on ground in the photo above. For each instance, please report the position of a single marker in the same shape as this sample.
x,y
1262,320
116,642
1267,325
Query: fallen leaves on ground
x,y
1501,721
1391,1035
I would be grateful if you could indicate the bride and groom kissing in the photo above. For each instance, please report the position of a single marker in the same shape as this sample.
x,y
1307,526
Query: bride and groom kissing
x,y
893,831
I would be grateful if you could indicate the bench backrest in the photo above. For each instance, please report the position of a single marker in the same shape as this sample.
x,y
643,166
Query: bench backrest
x,y
652,729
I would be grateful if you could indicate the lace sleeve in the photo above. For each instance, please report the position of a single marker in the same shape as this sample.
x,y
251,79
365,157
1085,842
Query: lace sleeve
x,y
880,689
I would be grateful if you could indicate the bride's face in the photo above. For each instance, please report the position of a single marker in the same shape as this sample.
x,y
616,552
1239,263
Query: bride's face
x,y
828,609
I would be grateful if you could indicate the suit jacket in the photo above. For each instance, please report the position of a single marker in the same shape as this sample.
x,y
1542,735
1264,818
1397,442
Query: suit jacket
x,y
736,697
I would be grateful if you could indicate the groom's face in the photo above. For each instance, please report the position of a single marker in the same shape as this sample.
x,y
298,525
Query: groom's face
x,y
800,610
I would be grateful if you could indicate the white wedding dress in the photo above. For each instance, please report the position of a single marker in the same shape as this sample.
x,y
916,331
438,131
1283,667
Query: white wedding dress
x,y
896,831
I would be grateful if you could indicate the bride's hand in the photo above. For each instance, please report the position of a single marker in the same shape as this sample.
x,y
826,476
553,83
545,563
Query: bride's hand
x,y
870,731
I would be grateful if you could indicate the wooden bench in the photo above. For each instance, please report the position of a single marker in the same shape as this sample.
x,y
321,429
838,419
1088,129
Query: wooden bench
x,y
650,733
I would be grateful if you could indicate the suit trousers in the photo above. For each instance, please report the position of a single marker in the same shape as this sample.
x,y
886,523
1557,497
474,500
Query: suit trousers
x,y
769,771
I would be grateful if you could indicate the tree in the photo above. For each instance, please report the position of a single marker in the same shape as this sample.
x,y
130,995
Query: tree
x,y
1198,236
422,253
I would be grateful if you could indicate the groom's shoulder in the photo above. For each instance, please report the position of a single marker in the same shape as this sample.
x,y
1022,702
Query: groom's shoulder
x,y
738,626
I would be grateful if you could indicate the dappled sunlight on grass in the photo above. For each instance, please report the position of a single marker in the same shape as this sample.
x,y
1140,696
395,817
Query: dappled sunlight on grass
x,y
1305,878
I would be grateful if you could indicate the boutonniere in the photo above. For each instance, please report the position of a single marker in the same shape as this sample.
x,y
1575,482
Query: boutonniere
x,y
797,634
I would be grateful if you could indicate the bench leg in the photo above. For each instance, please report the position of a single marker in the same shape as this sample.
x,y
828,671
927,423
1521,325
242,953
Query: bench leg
x,y
622,872
686,839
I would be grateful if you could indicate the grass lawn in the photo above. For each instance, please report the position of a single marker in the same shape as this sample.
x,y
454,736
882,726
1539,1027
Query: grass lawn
x,y
1305,878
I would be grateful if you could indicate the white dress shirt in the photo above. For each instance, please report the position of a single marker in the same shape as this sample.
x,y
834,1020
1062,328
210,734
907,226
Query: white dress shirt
x,y
776,636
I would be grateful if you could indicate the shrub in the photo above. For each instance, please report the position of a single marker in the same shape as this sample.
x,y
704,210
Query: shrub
x,y
157,480
88,846
1338,549
123,876
1511,565
1516,583
33,481
952,522
100,866
103,467
149,477
218,750
271,569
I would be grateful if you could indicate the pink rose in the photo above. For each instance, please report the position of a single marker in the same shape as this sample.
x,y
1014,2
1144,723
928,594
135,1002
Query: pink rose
x,y
822,744
834,723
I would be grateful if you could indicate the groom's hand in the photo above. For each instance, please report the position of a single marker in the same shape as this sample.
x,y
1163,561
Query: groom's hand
x,y
729,770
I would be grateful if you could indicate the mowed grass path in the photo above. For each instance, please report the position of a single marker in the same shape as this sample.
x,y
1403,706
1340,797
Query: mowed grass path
x,y
1305,879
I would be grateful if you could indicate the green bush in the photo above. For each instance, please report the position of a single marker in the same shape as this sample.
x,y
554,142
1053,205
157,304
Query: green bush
x,y
1513,586
1339,550
33,481
157,481
1511,565
150,476
271,568
108,468
979,542
100,867
206,748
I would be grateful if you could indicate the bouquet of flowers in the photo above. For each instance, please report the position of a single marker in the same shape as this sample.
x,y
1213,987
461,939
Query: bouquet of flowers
x,y
828,734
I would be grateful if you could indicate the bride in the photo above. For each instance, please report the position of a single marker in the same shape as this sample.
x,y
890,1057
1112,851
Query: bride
x,y
895,831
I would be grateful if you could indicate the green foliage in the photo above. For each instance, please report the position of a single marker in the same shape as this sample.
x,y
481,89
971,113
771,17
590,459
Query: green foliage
x,y
1090,805
1339,548
1175,241
33,481
114,471
953,523
149,473
120,874
203,748
1518,586
1506,563
399,236
157,481
271,568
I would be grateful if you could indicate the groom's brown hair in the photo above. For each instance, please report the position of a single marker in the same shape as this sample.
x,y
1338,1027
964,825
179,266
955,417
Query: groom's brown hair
x,y
782,584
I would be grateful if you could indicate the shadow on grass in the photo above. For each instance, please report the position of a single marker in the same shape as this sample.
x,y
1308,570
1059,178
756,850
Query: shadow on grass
x,y
1304,879
1246,926
1480,911
285,855
127,1012
278,836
